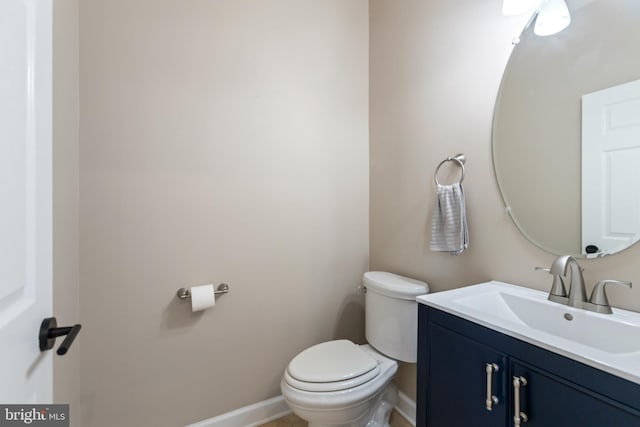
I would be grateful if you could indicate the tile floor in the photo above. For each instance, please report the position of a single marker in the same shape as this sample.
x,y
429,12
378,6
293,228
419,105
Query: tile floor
x,y
292,421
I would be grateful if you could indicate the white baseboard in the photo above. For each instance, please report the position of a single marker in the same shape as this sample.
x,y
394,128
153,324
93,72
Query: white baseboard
x,y
249,416
272,409
406,407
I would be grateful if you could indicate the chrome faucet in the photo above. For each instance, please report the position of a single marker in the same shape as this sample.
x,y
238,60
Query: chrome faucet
x,y
577,292
577,295
599,301
558,292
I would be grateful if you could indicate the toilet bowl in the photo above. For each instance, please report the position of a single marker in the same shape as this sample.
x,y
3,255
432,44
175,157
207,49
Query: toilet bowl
x,y
346,400
341,384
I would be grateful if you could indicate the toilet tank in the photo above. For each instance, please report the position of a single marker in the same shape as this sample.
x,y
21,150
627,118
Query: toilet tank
x,y
391,314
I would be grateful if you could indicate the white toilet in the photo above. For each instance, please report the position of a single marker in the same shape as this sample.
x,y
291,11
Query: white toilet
x,y
339,383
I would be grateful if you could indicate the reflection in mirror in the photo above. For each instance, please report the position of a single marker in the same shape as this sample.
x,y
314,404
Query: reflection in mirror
x,y
539,125
610,168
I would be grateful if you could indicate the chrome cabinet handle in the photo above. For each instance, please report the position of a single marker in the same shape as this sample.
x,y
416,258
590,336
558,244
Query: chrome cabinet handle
x,y
491,399
518,416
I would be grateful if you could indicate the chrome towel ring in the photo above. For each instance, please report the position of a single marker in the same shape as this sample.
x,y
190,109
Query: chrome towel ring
x,y
459,159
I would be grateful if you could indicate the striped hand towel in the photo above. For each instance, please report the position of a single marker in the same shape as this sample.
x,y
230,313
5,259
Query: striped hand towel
x,y
449,227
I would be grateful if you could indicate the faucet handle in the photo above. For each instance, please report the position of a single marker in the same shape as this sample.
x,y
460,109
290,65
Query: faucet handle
x,y
599,296
557,288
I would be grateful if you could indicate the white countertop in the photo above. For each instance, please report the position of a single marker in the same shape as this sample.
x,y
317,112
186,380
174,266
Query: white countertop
x,y
609,342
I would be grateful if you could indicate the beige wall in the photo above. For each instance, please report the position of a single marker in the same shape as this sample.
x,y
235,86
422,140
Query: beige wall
x,y
435,71
65,196
219,141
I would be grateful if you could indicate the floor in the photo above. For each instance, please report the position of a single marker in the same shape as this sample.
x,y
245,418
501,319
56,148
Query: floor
x,y
292,421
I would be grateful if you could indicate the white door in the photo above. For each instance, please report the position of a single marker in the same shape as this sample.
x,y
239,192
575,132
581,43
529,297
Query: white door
x,y
611,168
25,199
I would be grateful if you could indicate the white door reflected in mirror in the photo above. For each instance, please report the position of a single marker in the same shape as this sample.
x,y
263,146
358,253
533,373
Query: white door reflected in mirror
x,y
611,169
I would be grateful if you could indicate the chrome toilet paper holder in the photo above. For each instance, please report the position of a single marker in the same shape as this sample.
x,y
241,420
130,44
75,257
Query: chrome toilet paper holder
x,y
185,293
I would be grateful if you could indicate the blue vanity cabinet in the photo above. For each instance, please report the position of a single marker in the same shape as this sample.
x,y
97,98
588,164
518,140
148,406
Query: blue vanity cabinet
x,y
559,392
550,401
457,373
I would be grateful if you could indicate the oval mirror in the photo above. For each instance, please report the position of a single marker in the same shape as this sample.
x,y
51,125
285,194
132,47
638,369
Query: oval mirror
x,y
566,132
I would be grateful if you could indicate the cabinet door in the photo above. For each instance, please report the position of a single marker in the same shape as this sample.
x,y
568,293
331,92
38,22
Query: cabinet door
x,y
457,381
549,401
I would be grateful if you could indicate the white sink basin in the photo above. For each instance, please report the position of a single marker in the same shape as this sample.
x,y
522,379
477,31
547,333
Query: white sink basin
x,y
610,342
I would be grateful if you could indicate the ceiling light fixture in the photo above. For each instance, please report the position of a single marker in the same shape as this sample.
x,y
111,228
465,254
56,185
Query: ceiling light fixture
x,y
551,16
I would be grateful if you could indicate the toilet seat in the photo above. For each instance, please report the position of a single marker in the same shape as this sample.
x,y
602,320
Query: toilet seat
x,y
331,366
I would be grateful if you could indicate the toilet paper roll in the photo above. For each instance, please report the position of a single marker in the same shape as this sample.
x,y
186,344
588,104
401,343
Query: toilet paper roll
x,y
202,297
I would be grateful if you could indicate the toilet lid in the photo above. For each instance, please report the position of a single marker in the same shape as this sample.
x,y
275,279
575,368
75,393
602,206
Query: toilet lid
x,y
333,365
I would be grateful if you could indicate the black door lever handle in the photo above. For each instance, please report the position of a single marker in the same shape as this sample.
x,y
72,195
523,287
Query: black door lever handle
x,y
49,332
